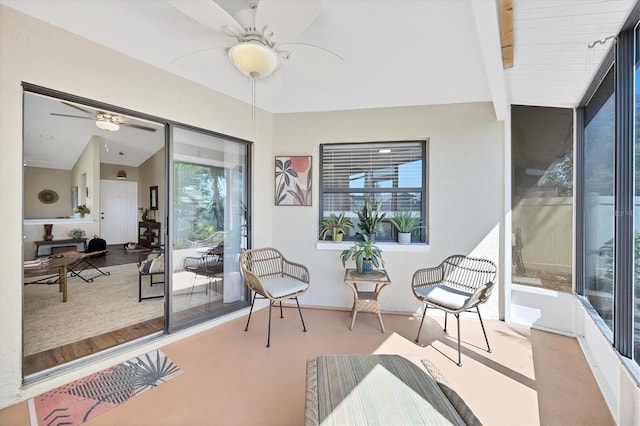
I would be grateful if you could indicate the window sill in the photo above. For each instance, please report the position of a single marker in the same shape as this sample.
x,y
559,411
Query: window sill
x,y
385,246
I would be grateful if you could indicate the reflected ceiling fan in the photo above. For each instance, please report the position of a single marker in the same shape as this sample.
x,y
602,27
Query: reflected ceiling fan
x,y
104,120
259,30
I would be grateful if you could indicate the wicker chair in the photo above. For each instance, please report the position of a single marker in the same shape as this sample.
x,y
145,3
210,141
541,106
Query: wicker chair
x,y
210,265
271,276
457,285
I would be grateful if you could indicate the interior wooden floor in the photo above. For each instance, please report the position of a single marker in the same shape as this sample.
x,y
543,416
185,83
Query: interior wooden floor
x,y
230,378
50,358
40,361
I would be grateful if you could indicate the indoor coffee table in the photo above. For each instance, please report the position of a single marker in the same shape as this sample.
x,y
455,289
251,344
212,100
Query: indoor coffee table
x,y
366,301
57,265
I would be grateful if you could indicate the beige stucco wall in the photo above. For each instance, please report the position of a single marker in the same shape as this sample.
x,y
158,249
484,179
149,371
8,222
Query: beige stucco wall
x,y
464,184
38,179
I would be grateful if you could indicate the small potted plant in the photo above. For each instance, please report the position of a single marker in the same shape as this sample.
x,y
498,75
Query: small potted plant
x,y
405,223
82,210
369,219
77,233
365,253
337,225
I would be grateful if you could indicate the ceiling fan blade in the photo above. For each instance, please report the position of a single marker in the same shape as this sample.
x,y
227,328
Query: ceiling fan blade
x,y
309,59
207,13
286,18
203,60
72,116
138,126
86,111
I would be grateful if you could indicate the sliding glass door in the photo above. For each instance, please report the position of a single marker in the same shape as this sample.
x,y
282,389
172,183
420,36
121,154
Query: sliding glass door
x,y
209,181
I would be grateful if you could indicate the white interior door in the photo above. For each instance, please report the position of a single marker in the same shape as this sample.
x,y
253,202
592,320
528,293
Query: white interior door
x,y
119,211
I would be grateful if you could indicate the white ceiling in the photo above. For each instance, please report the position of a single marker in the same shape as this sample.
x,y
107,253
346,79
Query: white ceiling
x,y
396,53
56,142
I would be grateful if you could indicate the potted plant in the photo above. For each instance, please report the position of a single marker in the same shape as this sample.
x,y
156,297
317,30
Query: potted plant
x,y
77,233
337,225
82,210
405,223
369,219
365,253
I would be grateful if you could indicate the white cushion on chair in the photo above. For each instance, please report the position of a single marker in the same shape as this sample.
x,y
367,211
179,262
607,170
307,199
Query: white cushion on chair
x,y
444,296
283,286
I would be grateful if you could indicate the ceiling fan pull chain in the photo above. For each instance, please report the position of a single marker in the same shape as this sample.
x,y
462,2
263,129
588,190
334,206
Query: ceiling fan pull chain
x,y
253,103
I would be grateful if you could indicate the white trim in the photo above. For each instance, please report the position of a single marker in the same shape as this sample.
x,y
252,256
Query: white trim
x,y
383,245
485,14
57,220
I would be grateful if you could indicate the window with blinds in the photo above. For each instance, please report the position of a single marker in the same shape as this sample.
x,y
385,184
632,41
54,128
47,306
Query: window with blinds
x,y
393,174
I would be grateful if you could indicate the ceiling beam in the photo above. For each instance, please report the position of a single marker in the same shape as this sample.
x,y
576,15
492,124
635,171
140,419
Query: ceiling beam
x,y
506,32
485,14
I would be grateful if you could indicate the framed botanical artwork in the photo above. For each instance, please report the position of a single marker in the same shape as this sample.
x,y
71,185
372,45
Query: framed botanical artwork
x,y
293,181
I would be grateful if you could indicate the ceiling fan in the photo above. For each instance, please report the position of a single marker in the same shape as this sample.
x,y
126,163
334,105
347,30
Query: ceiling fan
x,y
104,120
259,29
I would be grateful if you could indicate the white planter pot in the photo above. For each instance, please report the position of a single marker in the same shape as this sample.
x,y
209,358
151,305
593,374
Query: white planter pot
x,y
404,238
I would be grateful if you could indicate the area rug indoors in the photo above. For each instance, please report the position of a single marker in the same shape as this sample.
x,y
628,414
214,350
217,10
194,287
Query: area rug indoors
x,y
86,398
108,303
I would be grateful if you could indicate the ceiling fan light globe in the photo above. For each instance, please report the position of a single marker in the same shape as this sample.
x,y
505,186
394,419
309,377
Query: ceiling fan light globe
x,y
254,59
107,125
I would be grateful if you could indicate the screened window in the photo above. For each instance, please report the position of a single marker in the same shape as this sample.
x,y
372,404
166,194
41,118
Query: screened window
x,y
599,196
607,173
636,200
390,174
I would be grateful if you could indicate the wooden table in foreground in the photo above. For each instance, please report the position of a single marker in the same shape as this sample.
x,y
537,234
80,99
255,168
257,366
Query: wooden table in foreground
x,y
366,301
58,265
375,389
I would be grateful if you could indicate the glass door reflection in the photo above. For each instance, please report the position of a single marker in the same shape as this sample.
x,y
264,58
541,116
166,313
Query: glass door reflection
x,y
209,200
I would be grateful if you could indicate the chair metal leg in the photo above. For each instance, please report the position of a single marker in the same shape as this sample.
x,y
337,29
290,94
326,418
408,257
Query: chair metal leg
x,y
281,316
250,311
459,358
445,321
304,328
421,322
269,328
483,331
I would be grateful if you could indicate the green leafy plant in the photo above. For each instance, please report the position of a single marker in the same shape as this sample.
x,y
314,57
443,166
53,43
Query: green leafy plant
x,y
82,209
405,222
369,219
334,225
361,251
77,233
606,251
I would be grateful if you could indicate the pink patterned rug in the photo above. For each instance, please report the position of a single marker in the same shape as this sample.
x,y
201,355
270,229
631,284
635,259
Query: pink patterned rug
x,y
83,399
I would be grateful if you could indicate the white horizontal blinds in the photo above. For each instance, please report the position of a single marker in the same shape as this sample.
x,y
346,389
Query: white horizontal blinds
x,y
371,166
